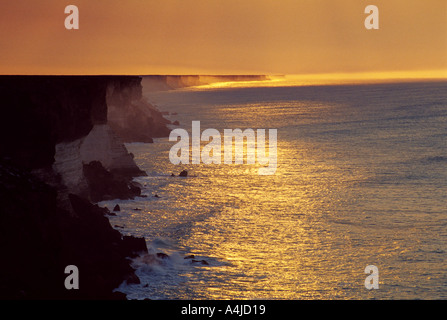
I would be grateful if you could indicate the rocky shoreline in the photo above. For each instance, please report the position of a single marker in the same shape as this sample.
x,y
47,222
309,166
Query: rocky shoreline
x,y
61,151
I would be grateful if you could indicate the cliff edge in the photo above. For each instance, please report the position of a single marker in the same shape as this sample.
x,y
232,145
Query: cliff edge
x,y
59,154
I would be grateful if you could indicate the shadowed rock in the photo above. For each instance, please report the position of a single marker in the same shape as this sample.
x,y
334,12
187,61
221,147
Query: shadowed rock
x,y
134,246
184,173
106,185
162,255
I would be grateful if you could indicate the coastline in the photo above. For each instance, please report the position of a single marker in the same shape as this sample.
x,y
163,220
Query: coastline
x,y
59,156
62,151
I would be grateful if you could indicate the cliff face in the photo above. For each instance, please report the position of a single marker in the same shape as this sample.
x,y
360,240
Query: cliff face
x,y
57,151
102,145
169,82
55,125
39,112
131,116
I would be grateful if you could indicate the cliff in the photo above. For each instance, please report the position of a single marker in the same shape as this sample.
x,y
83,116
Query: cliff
x,y
170,82
131,116
59,152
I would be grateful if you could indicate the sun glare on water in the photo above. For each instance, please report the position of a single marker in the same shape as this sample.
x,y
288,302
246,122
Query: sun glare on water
x,y
331,79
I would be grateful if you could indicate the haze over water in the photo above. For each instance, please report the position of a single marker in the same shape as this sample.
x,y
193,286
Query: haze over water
x,y
361,180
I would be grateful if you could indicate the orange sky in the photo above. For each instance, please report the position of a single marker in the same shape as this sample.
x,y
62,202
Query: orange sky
x,y
221,37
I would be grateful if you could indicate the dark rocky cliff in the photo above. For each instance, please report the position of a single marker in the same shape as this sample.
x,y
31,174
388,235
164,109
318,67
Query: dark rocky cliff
x,y
131,116
39,112
48,161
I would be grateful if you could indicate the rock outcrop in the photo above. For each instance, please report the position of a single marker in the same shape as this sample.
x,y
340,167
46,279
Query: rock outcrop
x,y
184,173
73,160
58,153
104,185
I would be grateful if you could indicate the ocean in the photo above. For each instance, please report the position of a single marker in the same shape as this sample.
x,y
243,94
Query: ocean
x,y
361,180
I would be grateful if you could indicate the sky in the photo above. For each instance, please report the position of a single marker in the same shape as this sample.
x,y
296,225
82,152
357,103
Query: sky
x,y
222,37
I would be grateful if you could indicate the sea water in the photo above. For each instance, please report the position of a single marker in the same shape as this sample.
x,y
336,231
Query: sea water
x,y
361,180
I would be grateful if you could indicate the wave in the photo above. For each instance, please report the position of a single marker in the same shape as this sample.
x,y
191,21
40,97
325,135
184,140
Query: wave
x,y
165,265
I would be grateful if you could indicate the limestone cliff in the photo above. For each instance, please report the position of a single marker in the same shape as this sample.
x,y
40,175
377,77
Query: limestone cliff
x,y
101,144
131,116
57,152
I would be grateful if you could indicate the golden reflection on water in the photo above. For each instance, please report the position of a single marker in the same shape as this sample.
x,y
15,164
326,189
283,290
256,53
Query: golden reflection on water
x,y
271,231
332,79
309,230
